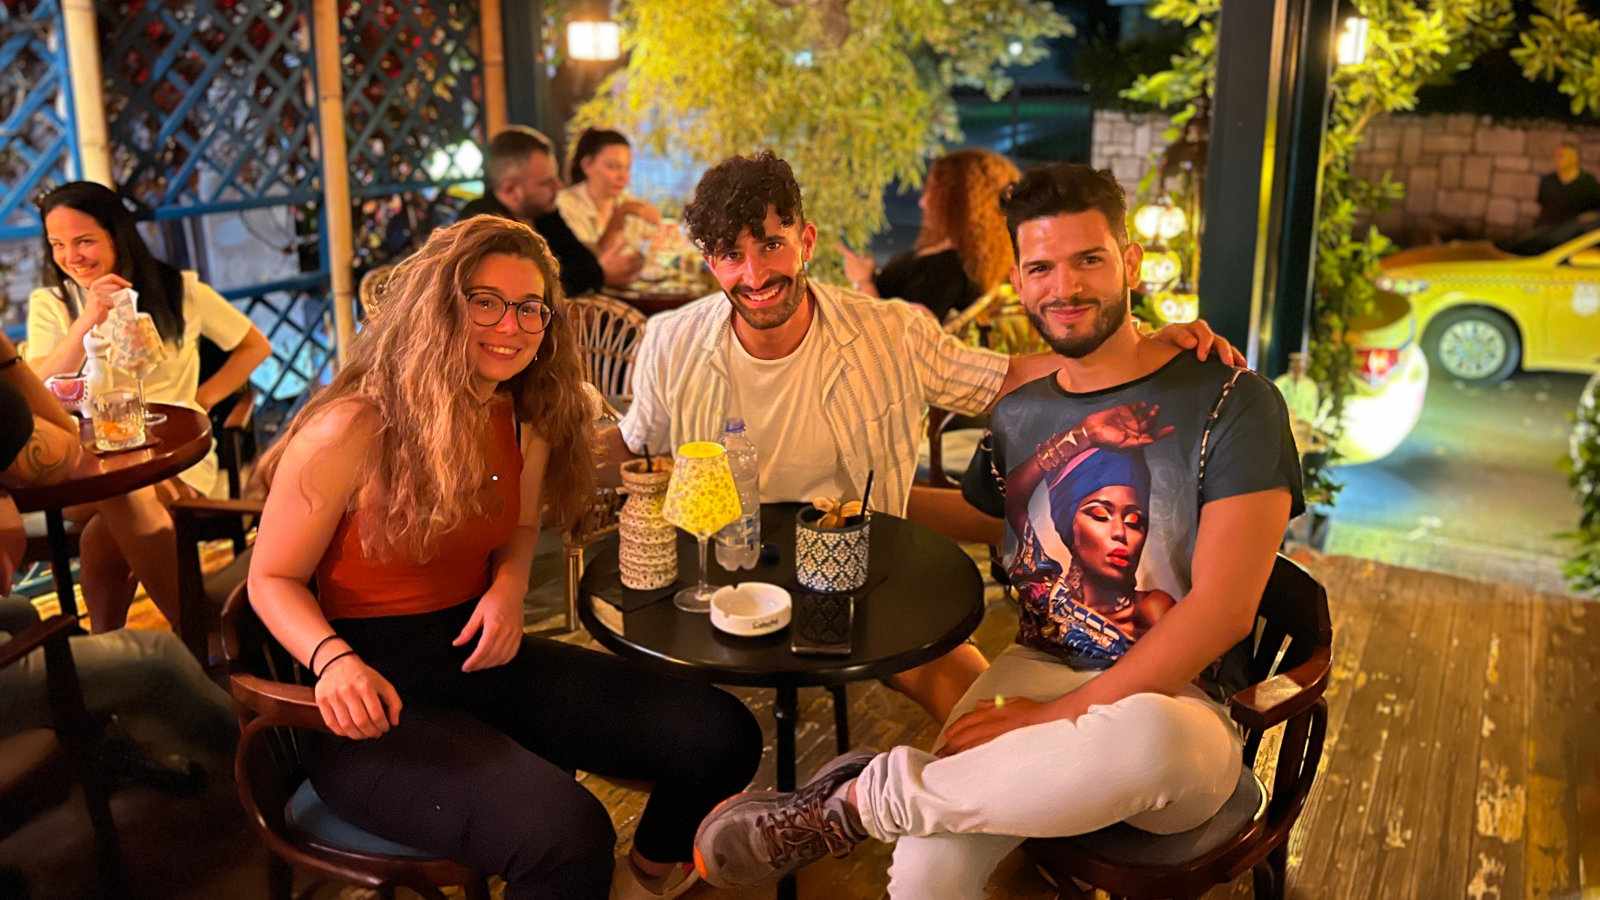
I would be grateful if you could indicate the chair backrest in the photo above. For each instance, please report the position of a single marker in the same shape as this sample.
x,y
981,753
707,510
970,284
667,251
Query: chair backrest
x,y
1292,622
370,290
609,332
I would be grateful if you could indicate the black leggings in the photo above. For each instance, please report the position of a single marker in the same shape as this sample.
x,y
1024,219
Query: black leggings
x,y
479,769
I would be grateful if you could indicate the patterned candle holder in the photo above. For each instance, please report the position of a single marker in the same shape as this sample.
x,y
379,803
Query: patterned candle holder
x,y
647,544
831,559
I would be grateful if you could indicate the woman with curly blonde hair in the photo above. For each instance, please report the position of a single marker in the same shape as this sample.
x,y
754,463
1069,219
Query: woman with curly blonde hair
x,y
963,249
410,491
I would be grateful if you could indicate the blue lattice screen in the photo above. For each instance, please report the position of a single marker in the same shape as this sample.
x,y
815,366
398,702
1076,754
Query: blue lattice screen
x,y
413,86
211,110
38,149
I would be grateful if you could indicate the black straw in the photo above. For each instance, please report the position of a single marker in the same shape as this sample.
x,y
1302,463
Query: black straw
x,y
648,467
866,496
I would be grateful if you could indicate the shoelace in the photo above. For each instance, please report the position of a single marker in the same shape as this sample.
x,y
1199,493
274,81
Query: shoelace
x,y
792,829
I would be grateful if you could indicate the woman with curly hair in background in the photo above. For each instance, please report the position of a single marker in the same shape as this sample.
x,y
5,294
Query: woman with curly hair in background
x,y
963,249
411,489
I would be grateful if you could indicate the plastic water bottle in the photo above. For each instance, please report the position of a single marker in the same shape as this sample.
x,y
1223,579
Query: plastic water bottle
x,y
739,543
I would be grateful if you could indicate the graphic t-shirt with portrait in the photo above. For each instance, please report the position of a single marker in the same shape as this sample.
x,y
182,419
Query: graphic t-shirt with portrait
x,y
1101,493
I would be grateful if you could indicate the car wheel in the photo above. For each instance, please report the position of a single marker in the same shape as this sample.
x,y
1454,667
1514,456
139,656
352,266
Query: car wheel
x,y
1475,345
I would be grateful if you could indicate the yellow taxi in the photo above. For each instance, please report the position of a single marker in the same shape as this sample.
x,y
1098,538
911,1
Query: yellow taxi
x,y
1483,311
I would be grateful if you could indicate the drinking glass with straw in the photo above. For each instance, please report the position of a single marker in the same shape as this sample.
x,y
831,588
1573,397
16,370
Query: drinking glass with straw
x,y
701,499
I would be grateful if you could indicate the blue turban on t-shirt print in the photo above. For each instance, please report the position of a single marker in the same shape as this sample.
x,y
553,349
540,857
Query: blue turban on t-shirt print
x,y
1089,542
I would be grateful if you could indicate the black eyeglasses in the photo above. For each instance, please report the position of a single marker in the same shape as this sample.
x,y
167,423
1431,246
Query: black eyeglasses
x,y
487,308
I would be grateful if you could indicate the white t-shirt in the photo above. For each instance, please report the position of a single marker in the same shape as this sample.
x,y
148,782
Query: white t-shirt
x,y
781,403
175,381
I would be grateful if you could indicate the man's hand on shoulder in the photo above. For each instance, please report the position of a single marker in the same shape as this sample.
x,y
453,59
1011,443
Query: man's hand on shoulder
x,y
1199,337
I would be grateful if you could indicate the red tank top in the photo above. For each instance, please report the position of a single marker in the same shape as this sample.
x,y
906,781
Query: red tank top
x,y
352,586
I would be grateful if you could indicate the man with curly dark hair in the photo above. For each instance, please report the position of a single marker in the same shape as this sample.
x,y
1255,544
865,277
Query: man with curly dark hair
x,y
831,384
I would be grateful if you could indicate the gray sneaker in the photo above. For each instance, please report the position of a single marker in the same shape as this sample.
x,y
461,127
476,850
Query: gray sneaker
x,y
761,836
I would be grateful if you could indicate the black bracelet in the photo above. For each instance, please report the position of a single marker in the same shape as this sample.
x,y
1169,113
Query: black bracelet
x,y
336,658
311,663
10,362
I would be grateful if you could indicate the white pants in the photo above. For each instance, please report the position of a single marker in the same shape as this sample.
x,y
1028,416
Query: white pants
x,y
1163,764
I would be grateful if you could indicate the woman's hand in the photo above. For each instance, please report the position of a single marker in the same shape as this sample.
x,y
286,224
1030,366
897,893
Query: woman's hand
x,y
643,209
858,268
989,721
99,299
356,702
499,616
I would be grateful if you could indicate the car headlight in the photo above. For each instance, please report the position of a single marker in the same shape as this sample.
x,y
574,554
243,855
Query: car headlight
x,y
1400,286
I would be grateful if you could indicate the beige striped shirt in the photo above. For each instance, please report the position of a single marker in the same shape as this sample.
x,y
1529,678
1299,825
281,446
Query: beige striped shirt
x,y
887,363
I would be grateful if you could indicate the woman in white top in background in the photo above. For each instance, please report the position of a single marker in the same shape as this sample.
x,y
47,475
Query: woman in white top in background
x,y
93,250
597,206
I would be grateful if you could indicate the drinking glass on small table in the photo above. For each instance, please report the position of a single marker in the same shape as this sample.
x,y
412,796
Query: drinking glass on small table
x,y
701,499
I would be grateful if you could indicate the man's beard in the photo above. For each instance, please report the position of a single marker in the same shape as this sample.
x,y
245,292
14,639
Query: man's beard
x,y
770,316
1110,314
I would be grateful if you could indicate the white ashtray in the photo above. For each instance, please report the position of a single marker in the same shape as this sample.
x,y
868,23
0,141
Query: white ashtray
x,y
750,609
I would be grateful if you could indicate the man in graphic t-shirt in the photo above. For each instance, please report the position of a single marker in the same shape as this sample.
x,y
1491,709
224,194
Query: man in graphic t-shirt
x,y
1144,494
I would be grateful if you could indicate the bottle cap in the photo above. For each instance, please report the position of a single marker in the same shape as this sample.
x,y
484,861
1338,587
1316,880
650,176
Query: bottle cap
x,y
734,425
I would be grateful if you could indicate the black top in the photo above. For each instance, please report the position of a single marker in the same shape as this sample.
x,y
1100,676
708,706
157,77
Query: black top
x,y
924,597
1562,202
580,270
937,281
1102,492
16,423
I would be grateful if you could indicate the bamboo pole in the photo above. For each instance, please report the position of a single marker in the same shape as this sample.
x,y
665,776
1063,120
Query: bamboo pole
x,y
492,34
335,171
88,100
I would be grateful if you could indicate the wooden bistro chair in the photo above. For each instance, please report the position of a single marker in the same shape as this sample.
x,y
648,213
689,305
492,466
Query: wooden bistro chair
x,y
1289,664
38,766
276,706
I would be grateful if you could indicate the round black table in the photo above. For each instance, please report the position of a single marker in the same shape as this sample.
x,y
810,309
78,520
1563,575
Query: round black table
x,y
925,598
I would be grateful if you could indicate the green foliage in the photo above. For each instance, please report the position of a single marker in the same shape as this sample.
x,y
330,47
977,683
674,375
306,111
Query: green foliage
x,y
1562,44
1410,43
855,96
1583,569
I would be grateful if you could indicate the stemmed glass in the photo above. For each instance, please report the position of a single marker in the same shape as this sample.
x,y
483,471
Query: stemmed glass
x,y
141,350
701,499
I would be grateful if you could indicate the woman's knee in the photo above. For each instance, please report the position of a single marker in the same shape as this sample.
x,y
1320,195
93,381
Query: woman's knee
x,y
730,737
565,839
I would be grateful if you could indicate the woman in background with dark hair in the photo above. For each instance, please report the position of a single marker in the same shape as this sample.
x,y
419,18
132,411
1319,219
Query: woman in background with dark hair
x,y
92,251
597,205
963,249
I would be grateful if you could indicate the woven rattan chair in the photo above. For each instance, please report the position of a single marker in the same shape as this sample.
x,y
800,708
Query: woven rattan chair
x,y
609,332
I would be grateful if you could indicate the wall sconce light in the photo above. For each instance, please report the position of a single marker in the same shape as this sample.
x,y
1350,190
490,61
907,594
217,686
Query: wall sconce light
x,y
1352,45
1160,221
594,41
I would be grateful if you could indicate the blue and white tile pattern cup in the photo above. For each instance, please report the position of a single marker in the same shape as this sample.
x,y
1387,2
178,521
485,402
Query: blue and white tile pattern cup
x,y
830,559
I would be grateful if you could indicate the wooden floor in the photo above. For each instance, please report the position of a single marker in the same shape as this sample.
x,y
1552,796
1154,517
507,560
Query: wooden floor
x,y
1463,756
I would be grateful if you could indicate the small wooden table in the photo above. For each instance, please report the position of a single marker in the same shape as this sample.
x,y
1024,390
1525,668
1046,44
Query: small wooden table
x,y
180,442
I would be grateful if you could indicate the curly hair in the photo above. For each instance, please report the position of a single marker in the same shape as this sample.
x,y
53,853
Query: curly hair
x,y
733,197
410,367
963,207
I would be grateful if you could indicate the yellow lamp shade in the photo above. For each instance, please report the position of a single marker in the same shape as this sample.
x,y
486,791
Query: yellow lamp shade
x,y
1160,269
701,497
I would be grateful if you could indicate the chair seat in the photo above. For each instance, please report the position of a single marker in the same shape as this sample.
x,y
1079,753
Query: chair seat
x,y
305,812
1125,845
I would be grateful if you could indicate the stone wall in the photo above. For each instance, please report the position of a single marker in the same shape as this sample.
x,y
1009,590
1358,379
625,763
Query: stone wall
x,y
1465,176
1126,143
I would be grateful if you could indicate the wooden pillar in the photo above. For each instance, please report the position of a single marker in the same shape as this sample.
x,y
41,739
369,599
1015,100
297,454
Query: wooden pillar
x,y
335,171
88,99
492,34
